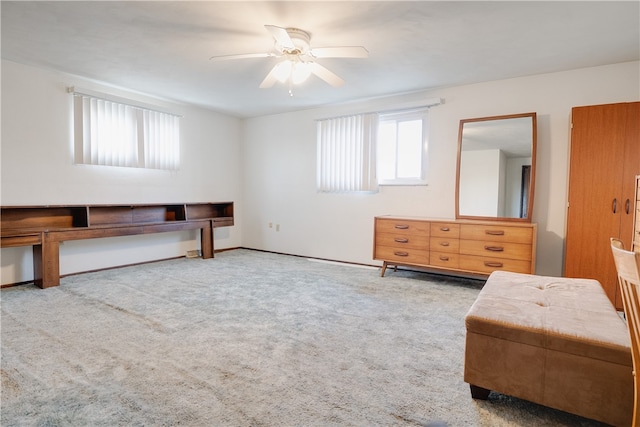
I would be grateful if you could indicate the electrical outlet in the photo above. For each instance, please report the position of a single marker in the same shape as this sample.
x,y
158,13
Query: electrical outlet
x,y
277,227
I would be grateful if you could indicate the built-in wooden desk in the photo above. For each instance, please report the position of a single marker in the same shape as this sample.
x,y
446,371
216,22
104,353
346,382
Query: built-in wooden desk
x,y
44,227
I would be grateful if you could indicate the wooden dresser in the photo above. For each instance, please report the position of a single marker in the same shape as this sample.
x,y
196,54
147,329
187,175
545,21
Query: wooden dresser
x,y
455,246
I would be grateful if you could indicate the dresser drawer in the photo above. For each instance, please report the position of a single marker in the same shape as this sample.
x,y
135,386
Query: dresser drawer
x,y
401,240
488,265
445,229
496,233
459,246
444,244
403,256
444,259
400,226
502,250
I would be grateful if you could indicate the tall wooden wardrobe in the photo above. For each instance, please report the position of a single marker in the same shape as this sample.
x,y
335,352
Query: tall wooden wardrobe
x,y
604,161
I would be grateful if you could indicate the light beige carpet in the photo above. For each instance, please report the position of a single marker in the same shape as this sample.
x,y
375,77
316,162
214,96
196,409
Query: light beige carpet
x,y
246,339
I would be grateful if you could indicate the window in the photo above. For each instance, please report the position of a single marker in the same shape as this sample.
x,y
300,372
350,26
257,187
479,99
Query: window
x,y
110,133
361,152
402,148
346,153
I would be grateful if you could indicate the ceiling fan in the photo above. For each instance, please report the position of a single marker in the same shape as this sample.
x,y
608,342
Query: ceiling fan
x,y
292,45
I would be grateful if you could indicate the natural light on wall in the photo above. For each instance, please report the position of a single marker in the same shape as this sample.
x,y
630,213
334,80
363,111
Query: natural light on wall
x,y
110,133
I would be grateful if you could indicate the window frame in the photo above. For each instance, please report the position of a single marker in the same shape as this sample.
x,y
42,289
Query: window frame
x,y
146,155
399,116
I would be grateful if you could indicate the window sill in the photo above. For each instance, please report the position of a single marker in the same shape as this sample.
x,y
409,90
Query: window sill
x,y
406,183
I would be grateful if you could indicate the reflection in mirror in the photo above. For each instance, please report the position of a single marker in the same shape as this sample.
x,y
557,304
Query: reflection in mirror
x,y
496,167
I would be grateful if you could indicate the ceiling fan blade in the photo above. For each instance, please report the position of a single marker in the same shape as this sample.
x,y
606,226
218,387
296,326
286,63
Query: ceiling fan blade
x,y
340,52
281,35
325,74
241,56
270,80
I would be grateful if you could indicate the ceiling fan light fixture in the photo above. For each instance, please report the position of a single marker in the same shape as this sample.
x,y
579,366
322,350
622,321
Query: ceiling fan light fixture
x,y
296,72
300,72
282,71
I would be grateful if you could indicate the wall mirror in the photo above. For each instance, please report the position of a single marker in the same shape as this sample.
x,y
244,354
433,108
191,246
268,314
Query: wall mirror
x,y
496,168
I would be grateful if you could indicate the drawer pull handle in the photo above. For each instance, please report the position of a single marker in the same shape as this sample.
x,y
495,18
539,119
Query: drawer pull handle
x,y
495,232
402,227
494,248
444,243
401,253
400,240
493,264
444,258
444,228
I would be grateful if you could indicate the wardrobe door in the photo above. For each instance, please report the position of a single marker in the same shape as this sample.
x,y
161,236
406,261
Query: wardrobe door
x,y
595,192
631,168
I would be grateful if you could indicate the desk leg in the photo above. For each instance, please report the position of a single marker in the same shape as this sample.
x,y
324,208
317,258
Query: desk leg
x,y
46,263
206,242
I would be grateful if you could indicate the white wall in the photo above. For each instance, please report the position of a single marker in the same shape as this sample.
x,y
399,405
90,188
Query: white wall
x,y
266,165
37,169
481,182
280,162
491,183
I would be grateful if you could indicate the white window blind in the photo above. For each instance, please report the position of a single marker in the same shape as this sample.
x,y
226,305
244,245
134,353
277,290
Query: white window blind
x,y
110,133
346,153
161,140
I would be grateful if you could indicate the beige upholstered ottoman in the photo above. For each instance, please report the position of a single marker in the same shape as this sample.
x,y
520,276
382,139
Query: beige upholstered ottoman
x,y
554,341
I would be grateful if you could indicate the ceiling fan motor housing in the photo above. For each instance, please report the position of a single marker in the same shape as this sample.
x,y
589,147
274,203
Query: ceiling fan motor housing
x,y
300,39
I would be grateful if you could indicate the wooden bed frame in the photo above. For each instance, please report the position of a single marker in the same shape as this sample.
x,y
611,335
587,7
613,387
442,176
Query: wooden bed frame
x,y
44,227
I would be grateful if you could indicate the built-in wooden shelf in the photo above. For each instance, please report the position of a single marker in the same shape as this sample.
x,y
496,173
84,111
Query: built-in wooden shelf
x,y
44,227
221,213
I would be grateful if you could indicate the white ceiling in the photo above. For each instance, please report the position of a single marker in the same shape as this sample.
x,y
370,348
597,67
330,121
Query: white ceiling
x,y
163,48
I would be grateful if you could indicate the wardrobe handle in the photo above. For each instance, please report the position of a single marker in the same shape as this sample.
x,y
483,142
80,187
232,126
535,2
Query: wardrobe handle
x,y
399,240
494,232
444,243
615,205
401,253
494,248
627,205
402,227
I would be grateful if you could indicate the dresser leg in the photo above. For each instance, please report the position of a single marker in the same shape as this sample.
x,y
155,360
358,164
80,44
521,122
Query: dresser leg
x,y
384,268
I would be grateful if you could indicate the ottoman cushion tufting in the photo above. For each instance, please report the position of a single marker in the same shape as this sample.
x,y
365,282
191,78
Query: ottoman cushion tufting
x,y
554,341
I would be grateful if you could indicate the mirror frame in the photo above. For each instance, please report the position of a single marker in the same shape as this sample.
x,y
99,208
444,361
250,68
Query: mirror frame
x,y
532,180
